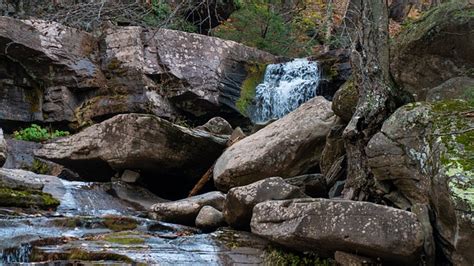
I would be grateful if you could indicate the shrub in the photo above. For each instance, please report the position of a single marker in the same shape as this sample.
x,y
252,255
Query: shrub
x,y
37,134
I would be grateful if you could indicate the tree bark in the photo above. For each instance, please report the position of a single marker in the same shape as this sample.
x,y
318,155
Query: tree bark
x,y
378,97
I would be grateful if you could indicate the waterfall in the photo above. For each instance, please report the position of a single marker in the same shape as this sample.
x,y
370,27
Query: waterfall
x,y
285,87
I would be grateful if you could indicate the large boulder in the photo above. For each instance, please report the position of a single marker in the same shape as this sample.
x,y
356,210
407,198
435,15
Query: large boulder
x,y
286,148
435,48
241,200
326,226
425,154
455,88
3,149
186,210
165,154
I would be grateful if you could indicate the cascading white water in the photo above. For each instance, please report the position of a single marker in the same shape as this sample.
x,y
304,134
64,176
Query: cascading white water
x,y
285,87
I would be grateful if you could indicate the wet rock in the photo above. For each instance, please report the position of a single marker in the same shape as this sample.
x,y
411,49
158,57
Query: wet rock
x,y
186,210
3,149
129,176
241,200
424,154
434,49
286,148
217,125
347,259
23,189
455,88
326,226
155,147
20,179
333,149
336,70
209,218
313,185
135,194
337,172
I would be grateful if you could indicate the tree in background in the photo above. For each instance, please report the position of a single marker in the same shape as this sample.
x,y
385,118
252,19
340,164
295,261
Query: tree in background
x,y
282,27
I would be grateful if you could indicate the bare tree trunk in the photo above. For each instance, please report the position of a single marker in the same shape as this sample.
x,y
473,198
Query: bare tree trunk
x,y
377,95
328,25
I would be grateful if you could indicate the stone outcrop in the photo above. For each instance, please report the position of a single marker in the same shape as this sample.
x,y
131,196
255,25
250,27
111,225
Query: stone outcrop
x,y
435,48
424,153
326,226
286,148
164,153
200,75
186,210
241,200
3,149
53,73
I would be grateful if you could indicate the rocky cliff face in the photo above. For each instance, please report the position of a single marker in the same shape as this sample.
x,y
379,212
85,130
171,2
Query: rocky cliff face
x,y
53,73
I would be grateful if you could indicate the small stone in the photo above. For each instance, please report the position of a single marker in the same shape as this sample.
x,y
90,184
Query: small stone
x,y
209,218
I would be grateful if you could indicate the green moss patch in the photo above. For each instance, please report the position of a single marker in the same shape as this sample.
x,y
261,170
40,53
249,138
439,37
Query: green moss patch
x,y
454,127
255,74
26,199
117,223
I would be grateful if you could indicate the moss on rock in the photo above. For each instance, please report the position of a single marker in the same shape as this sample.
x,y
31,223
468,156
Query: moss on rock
x,y
454,127
255,75
27,198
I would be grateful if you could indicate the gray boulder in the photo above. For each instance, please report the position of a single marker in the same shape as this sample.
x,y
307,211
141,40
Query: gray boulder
x,y
3,149
455,88
241,200
286,148
424,154
326,226
209,218
186,210
157,148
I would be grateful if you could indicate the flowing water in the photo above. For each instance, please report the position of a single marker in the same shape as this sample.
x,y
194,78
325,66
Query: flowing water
x,y
83,222
285,87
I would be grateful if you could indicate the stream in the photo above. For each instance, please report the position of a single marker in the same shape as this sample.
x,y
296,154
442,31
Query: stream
x,y
92,224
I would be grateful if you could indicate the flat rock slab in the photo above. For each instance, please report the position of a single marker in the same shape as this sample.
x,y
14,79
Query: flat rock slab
x,y
326,226
145,143
20,179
